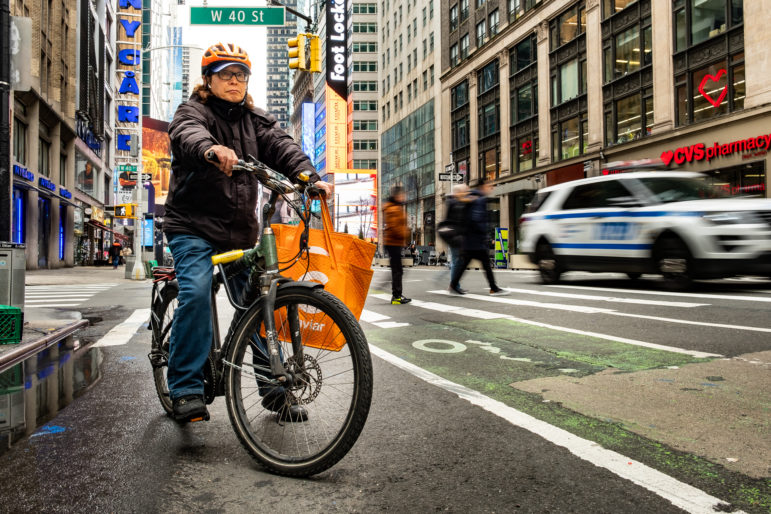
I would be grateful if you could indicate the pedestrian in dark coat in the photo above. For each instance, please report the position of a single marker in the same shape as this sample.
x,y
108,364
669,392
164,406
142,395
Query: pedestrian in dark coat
x,y
476,242
114,253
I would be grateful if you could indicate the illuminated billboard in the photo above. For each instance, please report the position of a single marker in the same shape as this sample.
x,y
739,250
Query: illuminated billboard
x,y
156,156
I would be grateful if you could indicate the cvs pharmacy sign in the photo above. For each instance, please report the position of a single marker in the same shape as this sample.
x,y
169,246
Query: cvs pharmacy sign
x,y
700,151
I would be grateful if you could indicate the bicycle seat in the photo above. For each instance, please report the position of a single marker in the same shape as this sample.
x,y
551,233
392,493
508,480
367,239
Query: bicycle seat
x,y
163,272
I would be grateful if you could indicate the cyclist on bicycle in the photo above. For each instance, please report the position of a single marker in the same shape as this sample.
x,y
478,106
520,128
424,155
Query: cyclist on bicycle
x,y
211,208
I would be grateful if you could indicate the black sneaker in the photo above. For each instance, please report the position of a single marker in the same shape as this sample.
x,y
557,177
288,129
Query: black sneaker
x,y
277,402
457,290
499,292
190,408
400,300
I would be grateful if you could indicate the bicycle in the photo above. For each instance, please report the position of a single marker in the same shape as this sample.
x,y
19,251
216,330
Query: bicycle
x,y
288,334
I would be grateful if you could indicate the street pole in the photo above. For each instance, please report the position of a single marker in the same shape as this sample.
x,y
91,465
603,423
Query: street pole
x,y
138,272
6,211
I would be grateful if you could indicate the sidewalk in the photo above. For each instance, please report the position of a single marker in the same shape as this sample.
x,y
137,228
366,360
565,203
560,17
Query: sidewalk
x,y
76,275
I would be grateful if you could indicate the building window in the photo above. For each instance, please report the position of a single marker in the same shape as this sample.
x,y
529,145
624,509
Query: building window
x,y
488,120
569,138
568,26
365,105
453,17
490,163
365,47
365,164
480,3
524,104
431,43
44,157
611,7
709,75
19,141
463,9
492,22
628,89
364,8
699,20
567,62
454,55
481,33
431,73
519,7
364,65
459,109
487,77
365,144
464,44
364,27
365,85
63,169
364,125
629,50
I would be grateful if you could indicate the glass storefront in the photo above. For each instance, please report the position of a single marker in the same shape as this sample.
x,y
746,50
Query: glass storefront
x,y
17,223
744,180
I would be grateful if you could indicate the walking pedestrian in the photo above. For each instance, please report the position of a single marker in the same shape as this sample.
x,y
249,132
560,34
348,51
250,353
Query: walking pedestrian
x,y
114,253
452,229
395,238
477,241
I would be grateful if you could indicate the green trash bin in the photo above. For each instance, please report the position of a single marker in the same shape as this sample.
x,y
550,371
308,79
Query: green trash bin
x,y
11,321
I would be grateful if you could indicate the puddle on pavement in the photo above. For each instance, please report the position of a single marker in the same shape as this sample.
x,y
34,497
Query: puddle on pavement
x,y
33,391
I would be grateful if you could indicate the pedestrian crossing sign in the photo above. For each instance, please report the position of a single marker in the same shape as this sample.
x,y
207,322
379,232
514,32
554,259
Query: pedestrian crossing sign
x,y
124,210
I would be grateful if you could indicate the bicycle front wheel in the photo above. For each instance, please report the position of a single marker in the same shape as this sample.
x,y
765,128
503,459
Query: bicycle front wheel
x,y
332,388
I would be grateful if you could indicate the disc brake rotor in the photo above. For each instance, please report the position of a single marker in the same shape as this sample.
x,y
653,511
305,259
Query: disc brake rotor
x,y
307,379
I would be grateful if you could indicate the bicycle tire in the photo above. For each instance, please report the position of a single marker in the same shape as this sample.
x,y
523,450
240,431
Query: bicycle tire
x,y
329,431
163,316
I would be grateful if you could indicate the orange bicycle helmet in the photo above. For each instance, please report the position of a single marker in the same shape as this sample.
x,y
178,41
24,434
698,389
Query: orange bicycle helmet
x,y
221,55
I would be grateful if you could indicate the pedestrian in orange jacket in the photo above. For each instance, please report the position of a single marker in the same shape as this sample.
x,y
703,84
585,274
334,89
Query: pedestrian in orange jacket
x,y
395,236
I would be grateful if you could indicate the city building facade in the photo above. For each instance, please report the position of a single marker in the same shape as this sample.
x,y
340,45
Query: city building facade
x,y
279,96
61,133
409,61
541,92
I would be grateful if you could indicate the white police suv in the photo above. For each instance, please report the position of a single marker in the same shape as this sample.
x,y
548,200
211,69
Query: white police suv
x,y
670,223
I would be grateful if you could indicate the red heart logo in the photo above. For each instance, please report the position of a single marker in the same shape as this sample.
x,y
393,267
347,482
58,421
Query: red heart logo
x,y
667,157
714,78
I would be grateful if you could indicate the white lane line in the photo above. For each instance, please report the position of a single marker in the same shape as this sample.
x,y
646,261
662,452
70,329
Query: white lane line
x,y
42,296
379,320
613,299
121,334
498,299
52,305
526,303
687,322
678,493
671,293
62,298
479,314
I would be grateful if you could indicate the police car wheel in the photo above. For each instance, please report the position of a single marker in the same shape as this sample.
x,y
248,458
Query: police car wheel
x,y
634,275
673,261
548,266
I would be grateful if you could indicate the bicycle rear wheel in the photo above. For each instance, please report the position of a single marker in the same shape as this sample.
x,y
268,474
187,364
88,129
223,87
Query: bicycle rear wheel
x,y
163,315
334,387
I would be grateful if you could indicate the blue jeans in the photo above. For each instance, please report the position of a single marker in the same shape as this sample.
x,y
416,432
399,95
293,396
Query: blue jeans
x,y
191,332
455,258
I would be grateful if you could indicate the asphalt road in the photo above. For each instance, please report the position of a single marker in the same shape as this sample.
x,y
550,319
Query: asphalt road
x,y
601,395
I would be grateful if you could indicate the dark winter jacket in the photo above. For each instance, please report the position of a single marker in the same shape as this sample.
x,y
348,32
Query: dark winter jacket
x,y
477,237
202,200
457,221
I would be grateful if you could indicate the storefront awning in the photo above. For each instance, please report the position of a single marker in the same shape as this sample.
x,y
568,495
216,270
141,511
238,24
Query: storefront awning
x,y
118,235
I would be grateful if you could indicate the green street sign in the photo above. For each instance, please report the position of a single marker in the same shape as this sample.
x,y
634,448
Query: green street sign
x,y
127,167
237,15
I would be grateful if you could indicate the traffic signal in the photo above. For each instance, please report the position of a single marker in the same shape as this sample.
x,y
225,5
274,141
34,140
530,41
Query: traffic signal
x,y
297,52
124,210
315,46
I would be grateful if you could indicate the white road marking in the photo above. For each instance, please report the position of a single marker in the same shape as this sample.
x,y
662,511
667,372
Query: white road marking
x,y
61,296
479,314
121,334
678,493
379,320
671,293
613,299
589,310
52,305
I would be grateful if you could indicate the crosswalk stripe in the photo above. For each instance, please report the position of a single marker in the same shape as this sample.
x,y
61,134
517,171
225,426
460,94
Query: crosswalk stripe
x,y
526,303
613,299
379,320
672,293
123,332
479,314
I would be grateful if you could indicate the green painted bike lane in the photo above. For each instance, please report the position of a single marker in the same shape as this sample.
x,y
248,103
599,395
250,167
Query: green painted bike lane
x,y
494,356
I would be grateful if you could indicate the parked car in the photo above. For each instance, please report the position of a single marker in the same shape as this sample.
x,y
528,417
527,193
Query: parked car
x,y
671,223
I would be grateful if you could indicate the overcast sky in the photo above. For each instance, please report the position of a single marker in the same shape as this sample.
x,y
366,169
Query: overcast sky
x,y
251,38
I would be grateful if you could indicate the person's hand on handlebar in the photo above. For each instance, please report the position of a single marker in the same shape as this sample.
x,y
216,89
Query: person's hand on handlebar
x,y
224,158
326,187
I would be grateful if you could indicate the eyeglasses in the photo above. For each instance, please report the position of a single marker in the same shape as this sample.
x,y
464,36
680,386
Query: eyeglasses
x,y
226,75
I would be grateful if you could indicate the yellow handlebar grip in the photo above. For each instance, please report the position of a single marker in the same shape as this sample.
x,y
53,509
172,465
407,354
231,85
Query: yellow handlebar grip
x,y
224,258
